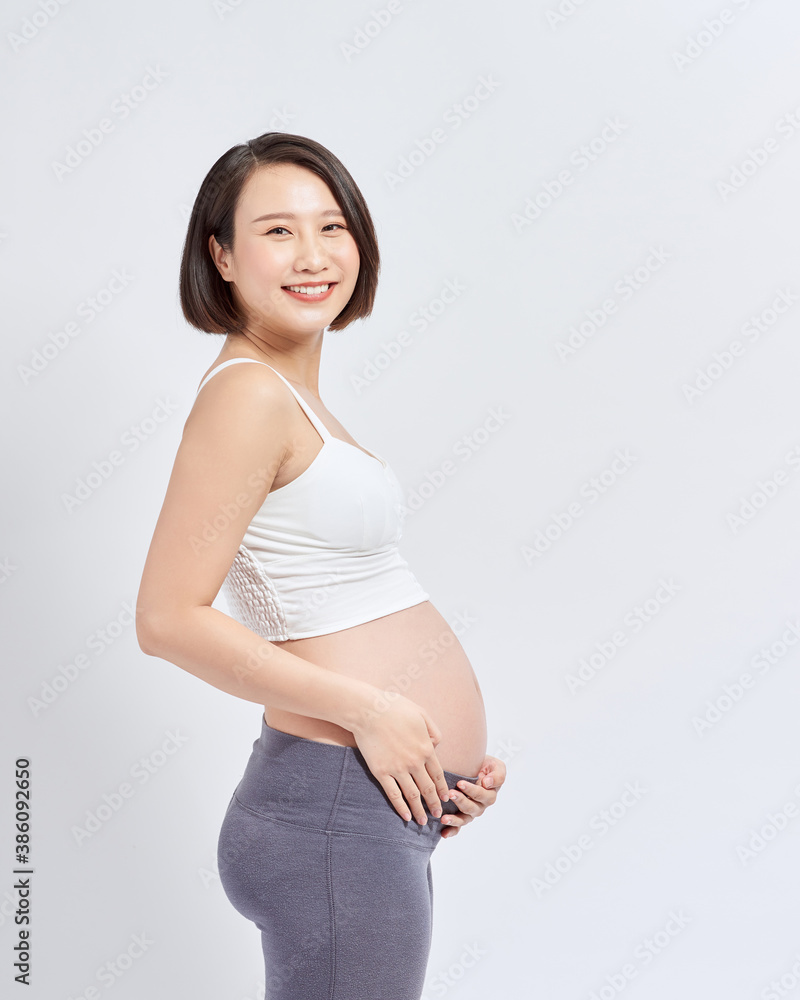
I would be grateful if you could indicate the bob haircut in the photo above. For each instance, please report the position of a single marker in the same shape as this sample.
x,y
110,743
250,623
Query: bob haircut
x,y
206,298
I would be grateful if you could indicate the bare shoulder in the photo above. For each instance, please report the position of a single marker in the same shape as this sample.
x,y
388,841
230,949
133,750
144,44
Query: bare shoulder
x,y
235,441
252,391
243,417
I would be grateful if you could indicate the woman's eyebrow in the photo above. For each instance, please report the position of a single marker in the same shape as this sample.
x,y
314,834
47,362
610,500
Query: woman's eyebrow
x,y
290,215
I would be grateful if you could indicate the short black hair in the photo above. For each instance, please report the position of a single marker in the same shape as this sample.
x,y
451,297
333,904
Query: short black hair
x,y
206,298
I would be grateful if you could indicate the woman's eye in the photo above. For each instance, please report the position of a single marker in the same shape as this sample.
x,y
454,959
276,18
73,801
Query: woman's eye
x,y
285,230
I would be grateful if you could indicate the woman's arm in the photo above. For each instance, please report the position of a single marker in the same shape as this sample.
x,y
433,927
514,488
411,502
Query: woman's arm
x,y
234,441
231,448
212,646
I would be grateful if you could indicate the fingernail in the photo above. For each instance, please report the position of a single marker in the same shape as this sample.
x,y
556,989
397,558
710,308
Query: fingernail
x,y
489,781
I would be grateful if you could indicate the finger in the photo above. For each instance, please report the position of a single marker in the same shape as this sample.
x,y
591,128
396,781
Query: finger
x,y
433,770
493,773
413,795
395,796
465,804
427,785
433,730
454,821
476,792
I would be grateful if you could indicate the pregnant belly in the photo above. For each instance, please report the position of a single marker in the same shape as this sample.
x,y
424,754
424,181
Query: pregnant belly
x,y
415,653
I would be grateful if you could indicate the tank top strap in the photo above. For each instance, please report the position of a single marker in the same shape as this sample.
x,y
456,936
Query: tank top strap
x,y
213,372
324,433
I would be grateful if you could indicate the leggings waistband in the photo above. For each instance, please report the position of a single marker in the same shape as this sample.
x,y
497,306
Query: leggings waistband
x,y
328,787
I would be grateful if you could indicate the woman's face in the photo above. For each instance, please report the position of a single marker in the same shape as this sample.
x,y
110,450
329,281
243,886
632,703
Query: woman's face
x,y
305,243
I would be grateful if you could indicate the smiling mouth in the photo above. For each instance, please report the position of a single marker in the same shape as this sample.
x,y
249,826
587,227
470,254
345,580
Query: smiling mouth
x,y
310,291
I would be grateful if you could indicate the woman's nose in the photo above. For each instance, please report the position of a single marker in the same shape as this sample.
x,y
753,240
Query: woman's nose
x,y
311,254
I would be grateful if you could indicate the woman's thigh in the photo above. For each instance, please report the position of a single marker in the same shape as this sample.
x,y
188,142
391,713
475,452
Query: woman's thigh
x,y
382,911
341,914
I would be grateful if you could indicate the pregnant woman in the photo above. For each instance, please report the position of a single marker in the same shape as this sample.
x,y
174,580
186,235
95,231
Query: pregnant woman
x,y
372,745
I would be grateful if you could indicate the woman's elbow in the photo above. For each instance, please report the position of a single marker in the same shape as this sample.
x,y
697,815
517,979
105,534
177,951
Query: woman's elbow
x,y
146,635
150,629
158,630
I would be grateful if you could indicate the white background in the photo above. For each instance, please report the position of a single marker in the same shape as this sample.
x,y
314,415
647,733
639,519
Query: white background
x,y
701,168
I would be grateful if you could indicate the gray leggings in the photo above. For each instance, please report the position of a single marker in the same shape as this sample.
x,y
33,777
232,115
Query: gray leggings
x,y
340,886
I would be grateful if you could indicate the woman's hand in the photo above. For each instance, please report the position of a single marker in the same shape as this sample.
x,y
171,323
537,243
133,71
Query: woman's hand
x,y
397,741
476,796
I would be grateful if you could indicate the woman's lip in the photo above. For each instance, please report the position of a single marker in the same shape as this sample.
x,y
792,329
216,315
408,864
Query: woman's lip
x,y
311,298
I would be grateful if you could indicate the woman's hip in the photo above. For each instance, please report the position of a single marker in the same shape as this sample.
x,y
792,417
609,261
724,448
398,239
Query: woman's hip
x,y
328,788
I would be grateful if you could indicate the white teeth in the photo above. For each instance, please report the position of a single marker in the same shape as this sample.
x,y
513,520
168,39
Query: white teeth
x,y
309,289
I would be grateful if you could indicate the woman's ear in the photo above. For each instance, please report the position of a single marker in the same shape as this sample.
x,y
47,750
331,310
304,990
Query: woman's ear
x,y
220,258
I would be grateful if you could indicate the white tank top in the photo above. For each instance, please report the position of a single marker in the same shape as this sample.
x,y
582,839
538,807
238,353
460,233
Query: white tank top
x,y
321,554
